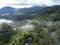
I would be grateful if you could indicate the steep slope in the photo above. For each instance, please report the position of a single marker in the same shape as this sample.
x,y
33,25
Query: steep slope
x,y
49,13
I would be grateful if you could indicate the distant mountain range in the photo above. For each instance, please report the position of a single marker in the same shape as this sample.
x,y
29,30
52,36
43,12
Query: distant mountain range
x,y
37,12
9,9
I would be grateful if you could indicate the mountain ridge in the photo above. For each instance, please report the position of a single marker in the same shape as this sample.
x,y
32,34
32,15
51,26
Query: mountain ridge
x,y
9,9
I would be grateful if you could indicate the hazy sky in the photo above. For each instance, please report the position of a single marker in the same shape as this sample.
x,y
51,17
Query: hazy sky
x,y
27,3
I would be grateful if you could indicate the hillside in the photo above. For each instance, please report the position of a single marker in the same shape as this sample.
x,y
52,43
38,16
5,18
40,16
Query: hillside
x,y
49,13
40,27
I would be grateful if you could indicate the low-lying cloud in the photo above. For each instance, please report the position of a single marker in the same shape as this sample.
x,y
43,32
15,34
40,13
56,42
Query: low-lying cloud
x,y
5,21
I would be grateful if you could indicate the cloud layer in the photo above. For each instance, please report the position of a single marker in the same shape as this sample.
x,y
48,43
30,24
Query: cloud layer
x,y
28,3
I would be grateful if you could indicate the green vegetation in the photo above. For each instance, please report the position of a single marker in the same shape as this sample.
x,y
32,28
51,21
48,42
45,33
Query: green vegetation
x,y
46,31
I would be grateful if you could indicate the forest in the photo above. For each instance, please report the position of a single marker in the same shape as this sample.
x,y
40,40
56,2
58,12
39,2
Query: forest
x,y
44,28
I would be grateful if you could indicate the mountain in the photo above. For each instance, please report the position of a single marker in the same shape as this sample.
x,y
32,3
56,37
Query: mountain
x,y
50,10
41,13
49,13
9,9
18,14
31,10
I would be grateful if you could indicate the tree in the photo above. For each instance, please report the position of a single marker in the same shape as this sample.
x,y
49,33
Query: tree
x,y
5,33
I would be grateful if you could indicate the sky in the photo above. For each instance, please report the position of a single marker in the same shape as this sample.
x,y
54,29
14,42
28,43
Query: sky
x,y
28,3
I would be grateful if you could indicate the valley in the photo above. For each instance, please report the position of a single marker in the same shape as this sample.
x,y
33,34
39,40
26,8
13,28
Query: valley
x,y
30,26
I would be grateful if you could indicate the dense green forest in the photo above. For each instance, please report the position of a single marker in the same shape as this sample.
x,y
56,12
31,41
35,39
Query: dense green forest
x,y
46,28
